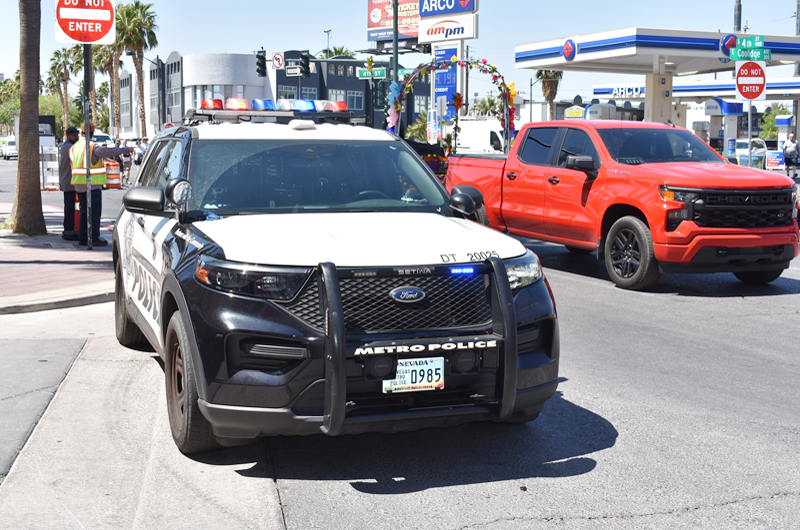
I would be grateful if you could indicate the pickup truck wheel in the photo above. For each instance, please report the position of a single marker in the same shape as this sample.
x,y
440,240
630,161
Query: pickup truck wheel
x,y
578,251
630,260
190,430
758,277
128,333
481,217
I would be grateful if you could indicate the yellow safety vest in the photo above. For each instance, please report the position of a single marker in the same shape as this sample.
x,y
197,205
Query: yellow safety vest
x,y
98,171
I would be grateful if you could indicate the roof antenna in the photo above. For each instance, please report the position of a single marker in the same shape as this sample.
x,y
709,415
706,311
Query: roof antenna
x,y
669,122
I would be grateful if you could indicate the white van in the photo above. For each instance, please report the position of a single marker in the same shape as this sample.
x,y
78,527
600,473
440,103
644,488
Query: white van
x,y
481,135
10,149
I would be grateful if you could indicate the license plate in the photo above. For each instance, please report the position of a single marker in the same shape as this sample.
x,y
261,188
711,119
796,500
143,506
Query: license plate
x,y
416,374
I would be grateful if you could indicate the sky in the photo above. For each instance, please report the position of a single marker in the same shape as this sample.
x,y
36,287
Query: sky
x,y
244,26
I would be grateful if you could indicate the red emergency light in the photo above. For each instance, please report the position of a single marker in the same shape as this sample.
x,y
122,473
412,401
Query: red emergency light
x,y
236,104
211,104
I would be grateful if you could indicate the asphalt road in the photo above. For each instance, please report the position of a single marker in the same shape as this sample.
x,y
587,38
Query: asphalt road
x,y
677,409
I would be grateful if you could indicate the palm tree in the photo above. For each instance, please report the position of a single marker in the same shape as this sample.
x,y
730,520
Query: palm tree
x,y
550,80
488,106
53,86
26,214
337,51
136,32
61,65
104,61
419,129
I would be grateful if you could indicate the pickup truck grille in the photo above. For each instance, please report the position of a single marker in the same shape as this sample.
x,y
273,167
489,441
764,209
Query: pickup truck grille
x,y
450,302
744,209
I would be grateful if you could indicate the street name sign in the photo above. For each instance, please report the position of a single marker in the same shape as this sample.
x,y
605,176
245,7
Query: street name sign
x,y
751,41
751,80
86,21
751,54
377,73
293,71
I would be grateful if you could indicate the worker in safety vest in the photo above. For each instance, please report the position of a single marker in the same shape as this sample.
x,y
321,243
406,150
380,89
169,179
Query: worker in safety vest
x,y
98,180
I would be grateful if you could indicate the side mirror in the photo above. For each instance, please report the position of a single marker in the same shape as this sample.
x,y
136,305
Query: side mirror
x,y
178,191
474,193
145,200
732,160
580,163
463,204
496,145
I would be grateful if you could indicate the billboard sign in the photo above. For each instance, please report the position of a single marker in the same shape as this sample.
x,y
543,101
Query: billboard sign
x,y
446,81
459,27
435,8
380,20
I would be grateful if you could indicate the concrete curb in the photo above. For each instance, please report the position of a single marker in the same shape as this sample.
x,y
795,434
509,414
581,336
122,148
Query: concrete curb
x,y
95,297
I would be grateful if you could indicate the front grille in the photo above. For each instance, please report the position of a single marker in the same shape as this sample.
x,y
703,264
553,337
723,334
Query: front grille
x,y
450,302
376,403
744,209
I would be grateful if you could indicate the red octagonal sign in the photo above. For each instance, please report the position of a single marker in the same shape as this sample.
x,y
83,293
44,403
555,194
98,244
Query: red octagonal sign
x,y
85,21
751,80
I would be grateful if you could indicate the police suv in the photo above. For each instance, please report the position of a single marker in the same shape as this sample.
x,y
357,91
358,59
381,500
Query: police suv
x,y
299,274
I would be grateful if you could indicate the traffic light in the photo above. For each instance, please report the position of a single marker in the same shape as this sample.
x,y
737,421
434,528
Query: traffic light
x,y
261,63
305,63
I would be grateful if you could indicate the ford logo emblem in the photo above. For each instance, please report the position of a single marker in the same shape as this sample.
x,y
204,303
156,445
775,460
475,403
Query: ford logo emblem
x,y
407,295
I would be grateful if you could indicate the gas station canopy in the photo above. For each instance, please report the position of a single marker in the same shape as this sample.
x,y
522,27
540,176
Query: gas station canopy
x,y
648,51
777,88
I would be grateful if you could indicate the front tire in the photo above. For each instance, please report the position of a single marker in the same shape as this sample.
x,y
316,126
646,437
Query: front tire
x,y
758,277
128,333
190,429
630,260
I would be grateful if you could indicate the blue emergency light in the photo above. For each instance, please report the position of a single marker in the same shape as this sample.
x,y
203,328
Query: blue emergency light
x,y
263,104
462,270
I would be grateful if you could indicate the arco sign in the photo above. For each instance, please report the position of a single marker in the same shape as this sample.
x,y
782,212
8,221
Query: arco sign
x,y
85,21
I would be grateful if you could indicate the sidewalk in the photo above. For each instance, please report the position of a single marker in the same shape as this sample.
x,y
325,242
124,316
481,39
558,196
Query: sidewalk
x,y
47,272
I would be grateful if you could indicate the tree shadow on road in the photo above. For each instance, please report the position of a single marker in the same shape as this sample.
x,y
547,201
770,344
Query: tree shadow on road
x,y
556,445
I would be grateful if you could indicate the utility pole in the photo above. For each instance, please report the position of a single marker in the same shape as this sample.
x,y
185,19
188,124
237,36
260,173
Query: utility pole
x,y
796,66
88,68
530,101
466,90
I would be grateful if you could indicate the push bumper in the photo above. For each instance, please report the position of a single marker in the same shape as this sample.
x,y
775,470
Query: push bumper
x,y
523,382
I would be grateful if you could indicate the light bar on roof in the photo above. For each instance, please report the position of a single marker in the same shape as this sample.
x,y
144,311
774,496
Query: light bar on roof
x,y
236,104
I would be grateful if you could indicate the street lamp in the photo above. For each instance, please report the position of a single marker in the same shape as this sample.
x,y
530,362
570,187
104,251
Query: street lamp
x,y
162,108
328,47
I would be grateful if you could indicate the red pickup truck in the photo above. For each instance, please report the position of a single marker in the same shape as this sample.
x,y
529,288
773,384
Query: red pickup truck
x,y
648,197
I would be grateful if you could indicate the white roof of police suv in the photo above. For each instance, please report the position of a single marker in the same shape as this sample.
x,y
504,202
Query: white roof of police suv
x,y
280,131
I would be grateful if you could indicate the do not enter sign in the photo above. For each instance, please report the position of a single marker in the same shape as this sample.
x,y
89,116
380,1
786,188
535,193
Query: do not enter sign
x,y
751,80
85,21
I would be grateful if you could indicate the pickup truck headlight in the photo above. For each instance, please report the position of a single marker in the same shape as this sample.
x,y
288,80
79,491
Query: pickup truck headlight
x,y
523,271
675,217
275,283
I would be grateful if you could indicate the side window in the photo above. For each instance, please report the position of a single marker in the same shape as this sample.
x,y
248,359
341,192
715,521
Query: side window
x,y
577,143
172,168
148,173
536,149
494,140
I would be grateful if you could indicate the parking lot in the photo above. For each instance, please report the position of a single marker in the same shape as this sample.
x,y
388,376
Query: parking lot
x,y
677,408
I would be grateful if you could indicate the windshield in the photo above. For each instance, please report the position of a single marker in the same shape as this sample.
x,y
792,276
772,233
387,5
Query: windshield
x,y
12,143
645,146
277,176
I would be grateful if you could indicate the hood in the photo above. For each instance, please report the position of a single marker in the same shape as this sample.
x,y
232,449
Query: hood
x,y
708,175
362,239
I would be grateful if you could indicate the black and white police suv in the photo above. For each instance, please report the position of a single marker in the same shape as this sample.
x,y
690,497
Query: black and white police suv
x,y
303,275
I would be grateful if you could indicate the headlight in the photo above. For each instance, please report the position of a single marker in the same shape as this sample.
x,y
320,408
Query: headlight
x,y
669,194
275,283
524,270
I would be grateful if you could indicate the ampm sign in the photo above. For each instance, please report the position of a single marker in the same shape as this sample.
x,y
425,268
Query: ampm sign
x,y
459,27
435,8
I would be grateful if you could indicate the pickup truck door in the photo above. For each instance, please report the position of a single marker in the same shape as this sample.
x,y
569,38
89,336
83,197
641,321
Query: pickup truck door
x,y
568,210
524,182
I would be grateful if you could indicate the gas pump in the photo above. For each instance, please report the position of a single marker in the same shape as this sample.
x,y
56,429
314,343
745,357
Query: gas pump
x,y
700,129
723,128
786,125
